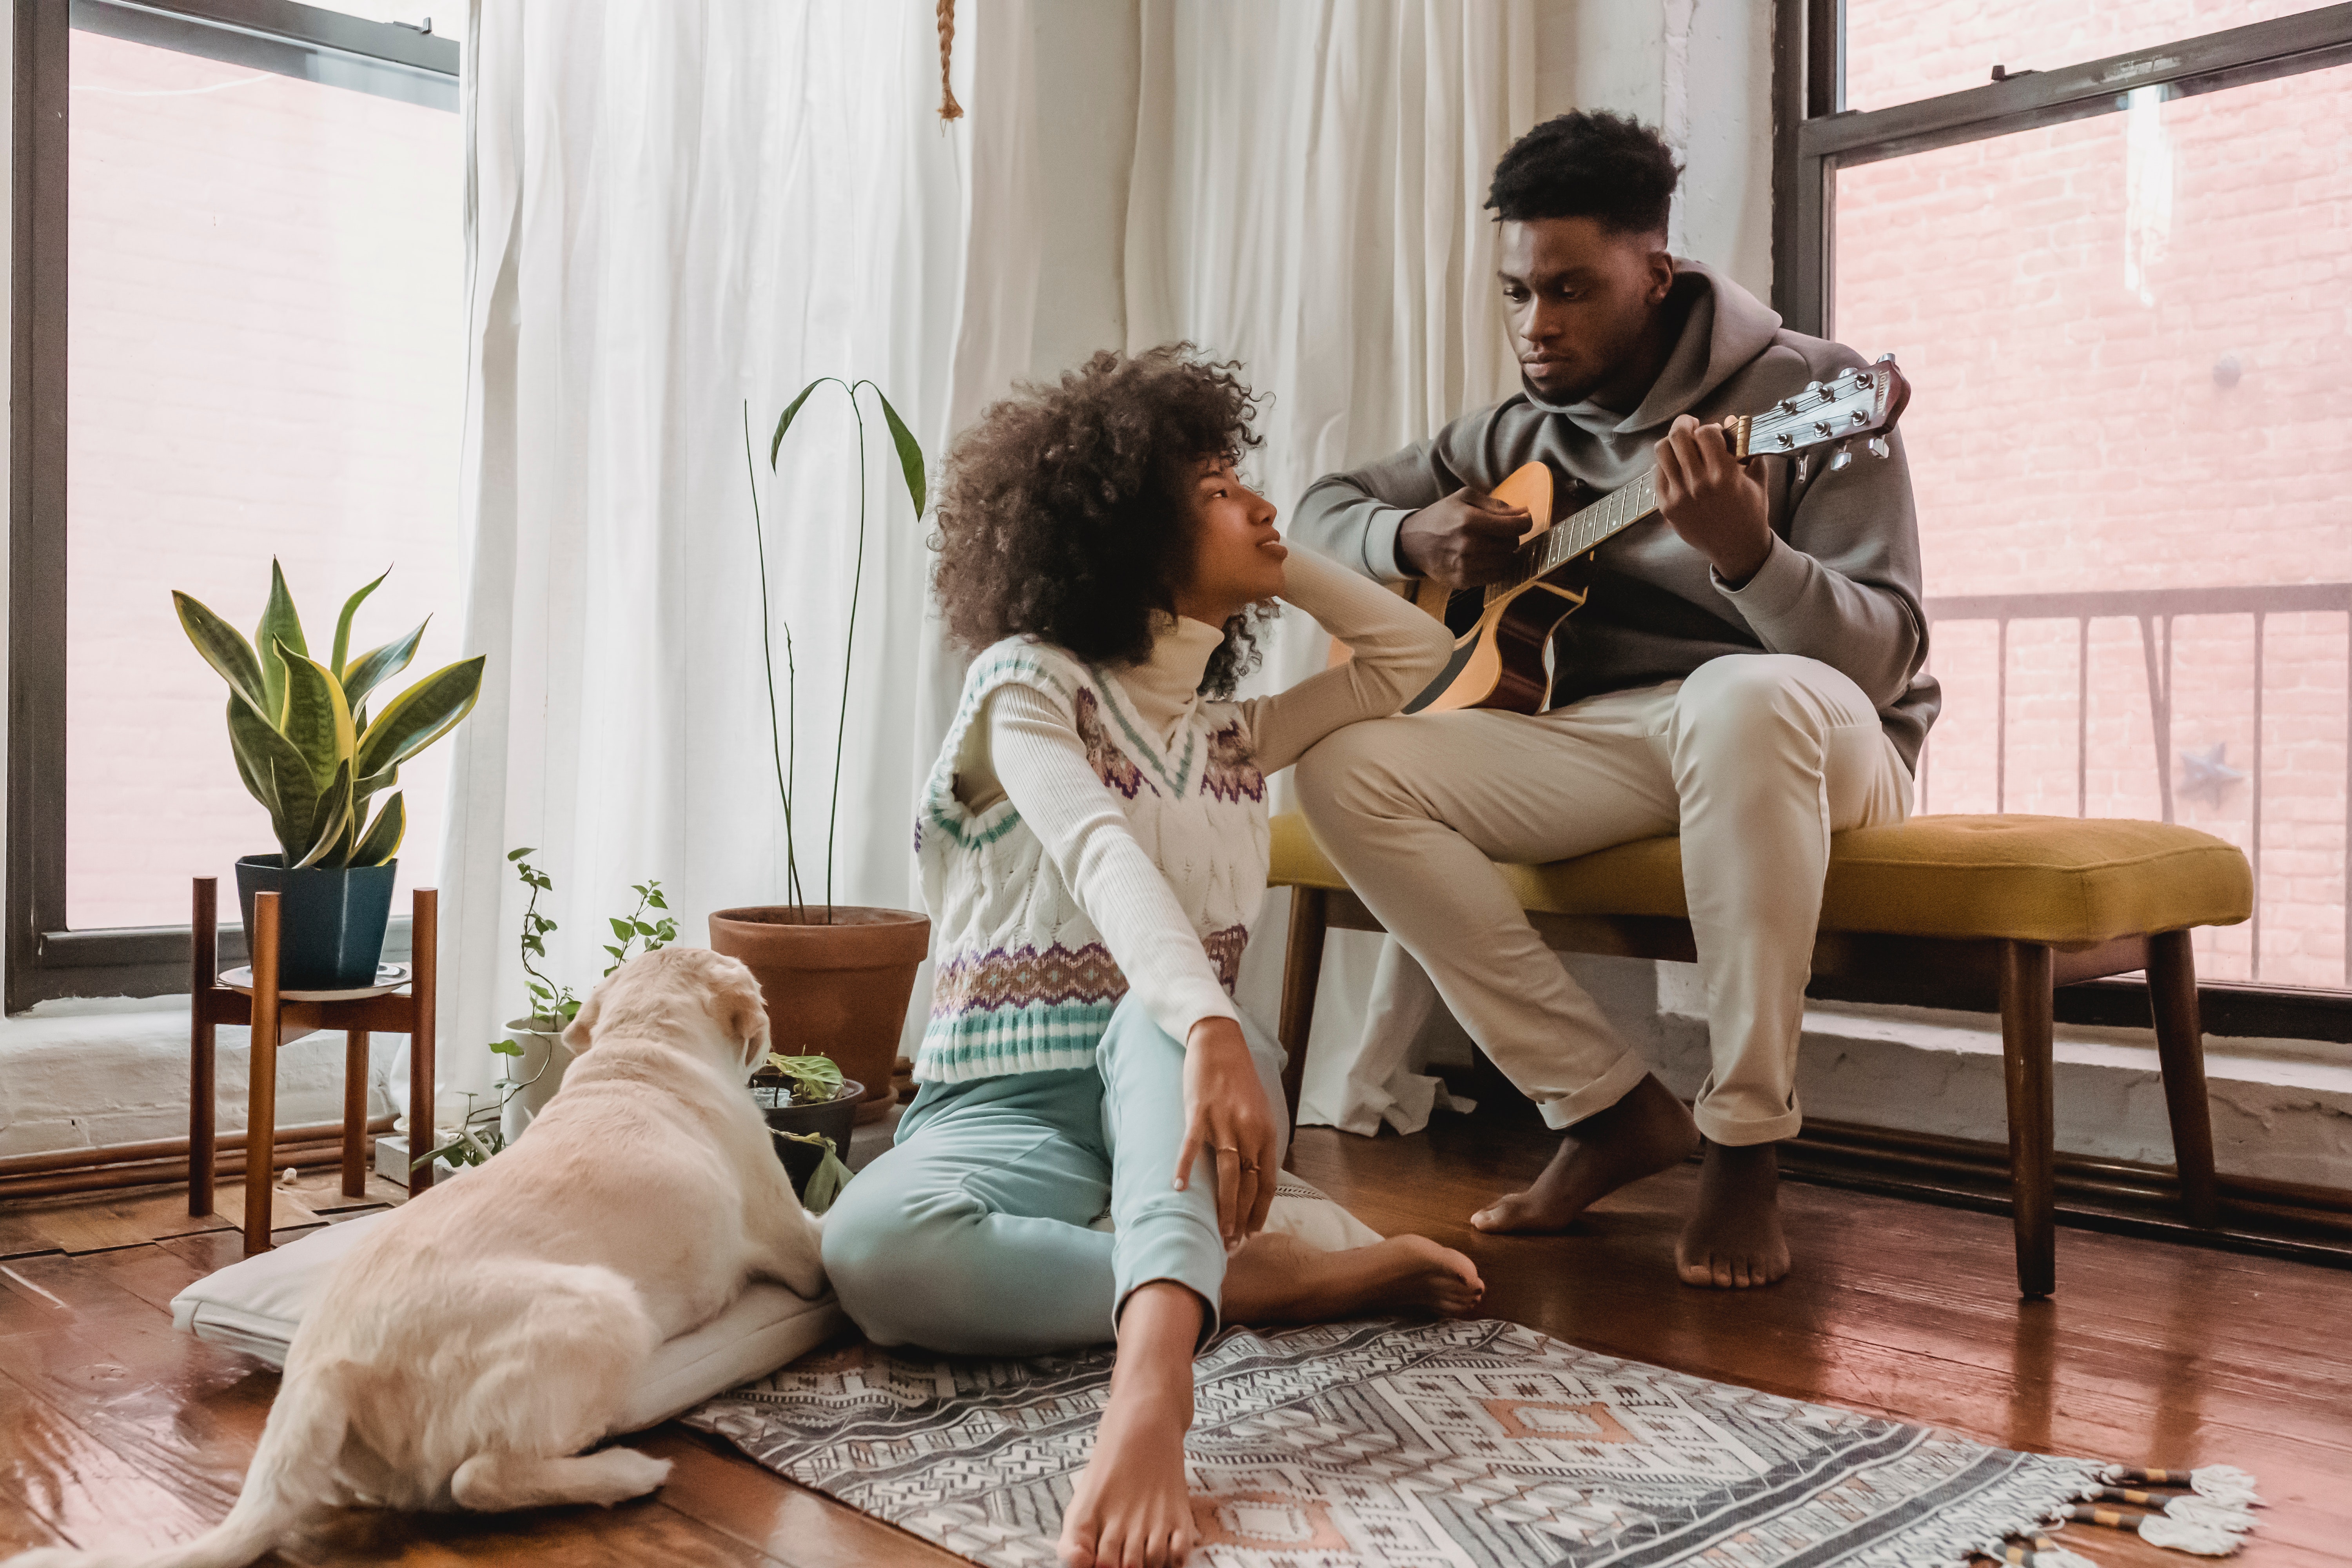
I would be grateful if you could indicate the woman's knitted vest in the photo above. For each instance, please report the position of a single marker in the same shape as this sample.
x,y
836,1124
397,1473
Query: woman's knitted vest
x,y
1023,982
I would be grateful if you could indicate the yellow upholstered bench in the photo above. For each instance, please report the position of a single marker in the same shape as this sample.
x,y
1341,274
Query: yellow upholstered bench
x,y
1974,912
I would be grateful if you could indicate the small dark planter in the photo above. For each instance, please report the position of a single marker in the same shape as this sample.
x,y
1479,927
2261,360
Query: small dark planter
x,y
833,1119
330,921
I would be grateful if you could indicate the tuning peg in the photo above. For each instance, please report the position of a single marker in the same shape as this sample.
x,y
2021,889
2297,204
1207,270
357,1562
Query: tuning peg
x,y
1878,447
1804,465
1843,458
1812,386
1887,358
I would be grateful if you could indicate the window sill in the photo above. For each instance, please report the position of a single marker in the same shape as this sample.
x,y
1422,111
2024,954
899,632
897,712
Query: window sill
x,y
2282,1111
82,1074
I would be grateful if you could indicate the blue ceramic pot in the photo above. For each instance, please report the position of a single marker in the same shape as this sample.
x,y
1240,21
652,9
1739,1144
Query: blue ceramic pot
x,y
331,920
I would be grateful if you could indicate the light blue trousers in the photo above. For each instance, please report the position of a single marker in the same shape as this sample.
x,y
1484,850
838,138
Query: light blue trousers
x,y
971,1235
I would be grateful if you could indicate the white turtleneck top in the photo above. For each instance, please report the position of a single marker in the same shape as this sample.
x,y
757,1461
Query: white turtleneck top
x,y
1036,747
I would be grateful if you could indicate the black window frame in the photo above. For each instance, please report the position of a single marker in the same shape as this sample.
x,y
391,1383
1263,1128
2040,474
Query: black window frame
x,y
1815,135
45,960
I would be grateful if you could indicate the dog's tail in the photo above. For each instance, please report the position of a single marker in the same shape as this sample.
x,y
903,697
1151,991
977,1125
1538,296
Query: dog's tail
x,y
290,1479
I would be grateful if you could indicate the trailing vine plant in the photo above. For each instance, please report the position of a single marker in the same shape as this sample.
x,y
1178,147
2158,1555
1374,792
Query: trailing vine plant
x,y
481,1132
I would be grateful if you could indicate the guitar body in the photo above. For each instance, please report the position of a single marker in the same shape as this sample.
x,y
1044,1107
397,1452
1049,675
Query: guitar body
x,y
1499,642
1501,649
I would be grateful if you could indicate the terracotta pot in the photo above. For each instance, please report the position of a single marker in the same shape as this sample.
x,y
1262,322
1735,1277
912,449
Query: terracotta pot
x,y
838,990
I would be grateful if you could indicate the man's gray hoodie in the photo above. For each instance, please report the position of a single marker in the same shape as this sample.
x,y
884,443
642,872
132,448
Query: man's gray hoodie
x,y
1840,584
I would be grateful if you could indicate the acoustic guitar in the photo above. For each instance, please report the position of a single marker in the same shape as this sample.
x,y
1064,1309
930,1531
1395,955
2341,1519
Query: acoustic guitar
x,y
1503,631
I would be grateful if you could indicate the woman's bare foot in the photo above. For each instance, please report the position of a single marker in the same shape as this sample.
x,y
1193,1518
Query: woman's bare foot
x,y
1281,1279
1130,1508
1641,1134
1733,1239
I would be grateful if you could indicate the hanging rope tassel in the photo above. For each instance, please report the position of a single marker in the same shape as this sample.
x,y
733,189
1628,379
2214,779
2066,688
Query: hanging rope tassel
x,y
949,108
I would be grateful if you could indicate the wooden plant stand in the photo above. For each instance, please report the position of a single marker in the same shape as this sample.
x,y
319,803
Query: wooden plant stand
x,y
271,1017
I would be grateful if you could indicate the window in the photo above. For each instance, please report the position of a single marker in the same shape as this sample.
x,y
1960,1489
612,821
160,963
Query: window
x,y
239,330
2117,270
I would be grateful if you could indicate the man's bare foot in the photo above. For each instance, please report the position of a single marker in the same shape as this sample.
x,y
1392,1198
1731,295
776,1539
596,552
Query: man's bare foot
x,y
1129,1507
1641,1134
1733,1239
1281,1279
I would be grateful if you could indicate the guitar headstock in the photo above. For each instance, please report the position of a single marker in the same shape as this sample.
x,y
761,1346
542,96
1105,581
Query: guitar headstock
x,y
1862,404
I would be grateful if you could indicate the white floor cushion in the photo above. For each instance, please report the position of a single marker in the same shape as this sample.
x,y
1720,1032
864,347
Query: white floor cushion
x,y
254,1306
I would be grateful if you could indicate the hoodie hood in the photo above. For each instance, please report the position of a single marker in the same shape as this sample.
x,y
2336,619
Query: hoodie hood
x,y
1724,327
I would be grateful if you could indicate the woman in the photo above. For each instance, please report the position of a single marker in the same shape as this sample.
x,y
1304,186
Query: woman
x,y
1093,845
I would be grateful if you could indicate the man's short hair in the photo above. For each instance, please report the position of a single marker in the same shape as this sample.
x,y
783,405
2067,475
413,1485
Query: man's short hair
x,y
1588,163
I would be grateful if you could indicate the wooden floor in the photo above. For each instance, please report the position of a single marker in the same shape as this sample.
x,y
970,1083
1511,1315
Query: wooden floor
x,y
116,1431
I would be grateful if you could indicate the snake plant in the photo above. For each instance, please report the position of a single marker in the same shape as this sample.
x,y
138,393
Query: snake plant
x,y
305,744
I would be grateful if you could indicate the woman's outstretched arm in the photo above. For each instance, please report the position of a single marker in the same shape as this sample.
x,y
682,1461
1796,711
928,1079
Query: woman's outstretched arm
x,y
1397,651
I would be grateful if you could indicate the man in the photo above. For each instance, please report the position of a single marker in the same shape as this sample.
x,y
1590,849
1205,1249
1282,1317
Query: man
x,y
1746,672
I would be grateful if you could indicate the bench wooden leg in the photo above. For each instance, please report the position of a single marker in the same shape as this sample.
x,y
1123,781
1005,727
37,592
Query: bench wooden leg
x,y
1302,967
2025,1053
2181,1048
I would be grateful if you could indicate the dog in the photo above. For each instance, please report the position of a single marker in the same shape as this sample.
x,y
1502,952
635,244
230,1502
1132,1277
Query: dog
x,y
467,1350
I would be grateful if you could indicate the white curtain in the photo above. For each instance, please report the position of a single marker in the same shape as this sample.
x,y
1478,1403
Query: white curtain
x,y
1307,198
679,208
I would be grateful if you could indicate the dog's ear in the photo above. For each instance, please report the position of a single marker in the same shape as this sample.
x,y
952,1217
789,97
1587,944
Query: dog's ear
x,y
577,1033
743,1015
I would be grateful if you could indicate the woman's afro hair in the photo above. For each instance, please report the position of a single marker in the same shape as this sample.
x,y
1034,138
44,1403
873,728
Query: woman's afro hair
x,y
1066,509
1590,163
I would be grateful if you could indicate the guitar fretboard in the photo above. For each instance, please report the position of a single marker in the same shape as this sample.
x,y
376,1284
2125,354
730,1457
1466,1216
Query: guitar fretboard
x,y
1579,532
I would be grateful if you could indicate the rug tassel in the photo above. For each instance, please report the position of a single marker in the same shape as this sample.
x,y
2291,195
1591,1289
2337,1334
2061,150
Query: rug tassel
x,y
2040,1552
2162,1530
2224,1484
2056,1556
2181,1535
2189,1506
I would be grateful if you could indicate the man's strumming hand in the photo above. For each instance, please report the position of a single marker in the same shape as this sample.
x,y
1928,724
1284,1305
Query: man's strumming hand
x,y
1716,503
1465,541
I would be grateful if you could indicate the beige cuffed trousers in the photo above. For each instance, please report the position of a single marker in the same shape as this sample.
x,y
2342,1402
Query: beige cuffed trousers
x,y
1755,759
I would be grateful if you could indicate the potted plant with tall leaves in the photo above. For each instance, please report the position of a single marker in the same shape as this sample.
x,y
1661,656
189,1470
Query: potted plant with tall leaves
x,y
308,750
836,977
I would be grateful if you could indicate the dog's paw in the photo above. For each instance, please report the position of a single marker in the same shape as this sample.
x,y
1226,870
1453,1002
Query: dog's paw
x,y
630,1474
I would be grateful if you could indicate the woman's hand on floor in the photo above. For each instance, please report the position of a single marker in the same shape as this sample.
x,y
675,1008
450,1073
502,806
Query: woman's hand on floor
x,y
1226,1114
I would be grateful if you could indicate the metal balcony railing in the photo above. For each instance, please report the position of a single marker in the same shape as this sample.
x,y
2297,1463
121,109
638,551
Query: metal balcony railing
x,y
2156,609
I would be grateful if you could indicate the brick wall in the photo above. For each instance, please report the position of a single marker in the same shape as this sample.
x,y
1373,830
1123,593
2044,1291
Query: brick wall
x,y
2128,337
267,356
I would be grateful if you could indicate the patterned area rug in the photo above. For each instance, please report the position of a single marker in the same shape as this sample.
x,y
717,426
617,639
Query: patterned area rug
x,y
1482,1444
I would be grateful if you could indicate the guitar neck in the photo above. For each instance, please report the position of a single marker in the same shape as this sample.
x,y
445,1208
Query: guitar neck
x,y
1579,532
